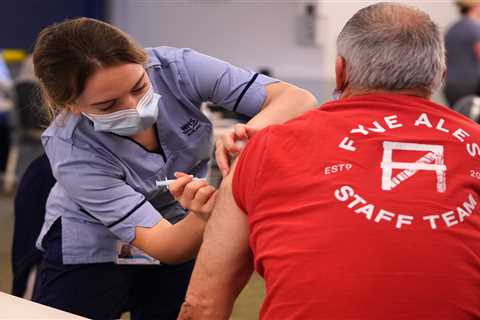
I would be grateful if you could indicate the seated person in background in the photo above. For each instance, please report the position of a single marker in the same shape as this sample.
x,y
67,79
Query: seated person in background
x,y
30,200
366,208
5,86
469,106
5,107
5,77
462,41
30,106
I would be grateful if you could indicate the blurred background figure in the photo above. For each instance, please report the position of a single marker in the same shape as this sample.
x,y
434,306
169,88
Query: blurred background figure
x,y
462,42
469,106
5,78
5,106
30,201
26,123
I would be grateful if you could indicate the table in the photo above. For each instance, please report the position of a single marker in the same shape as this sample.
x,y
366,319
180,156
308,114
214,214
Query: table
x,y
12,307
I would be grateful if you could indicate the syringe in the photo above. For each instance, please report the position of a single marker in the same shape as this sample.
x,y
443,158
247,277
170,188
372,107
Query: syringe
x,y
166,182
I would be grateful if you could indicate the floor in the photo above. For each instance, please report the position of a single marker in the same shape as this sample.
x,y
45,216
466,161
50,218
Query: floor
x,y
6,228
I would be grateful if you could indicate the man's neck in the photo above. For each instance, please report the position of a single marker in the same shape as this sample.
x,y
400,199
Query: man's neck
x,y
352,92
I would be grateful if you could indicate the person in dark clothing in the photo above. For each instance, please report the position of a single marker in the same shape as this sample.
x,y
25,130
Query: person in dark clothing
x,y
30,200
462,43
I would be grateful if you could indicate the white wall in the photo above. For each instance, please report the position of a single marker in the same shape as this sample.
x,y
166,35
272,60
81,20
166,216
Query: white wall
x,y
334,15
250,34
254,33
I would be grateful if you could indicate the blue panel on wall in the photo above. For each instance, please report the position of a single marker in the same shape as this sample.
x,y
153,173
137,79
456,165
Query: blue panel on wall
x,y
21,20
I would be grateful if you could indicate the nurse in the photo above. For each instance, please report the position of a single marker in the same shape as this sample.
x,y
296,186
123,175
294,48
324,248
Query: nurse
x,y
126,118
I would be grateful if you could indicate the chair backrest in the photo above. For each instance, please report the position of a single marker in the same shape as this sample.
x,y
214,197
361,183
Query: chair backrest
x,y
30,202
469,106
29,105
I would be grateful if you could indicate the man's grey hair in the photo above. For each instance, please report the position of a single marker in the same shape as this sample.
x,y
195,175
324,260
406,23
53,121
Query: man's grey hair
x,y
392,47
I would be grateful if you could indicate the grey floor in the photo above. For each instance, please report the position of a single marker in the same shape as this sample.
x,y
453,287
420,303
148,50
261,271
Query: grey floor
x,y
6,231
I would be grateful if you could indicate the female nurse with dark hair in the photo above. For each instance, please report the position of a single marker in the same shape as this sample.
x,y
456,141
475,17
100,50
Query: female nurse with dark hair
x,y
124,119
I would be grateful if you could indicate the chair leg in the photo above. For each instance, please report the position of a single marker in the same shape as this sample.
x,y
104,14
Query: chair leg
x,y
12,162
32,276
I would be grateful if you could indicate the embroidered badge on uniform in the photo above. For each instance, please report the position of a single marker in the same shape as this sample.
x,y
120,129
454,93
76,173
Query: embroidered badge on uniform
x,y
190,127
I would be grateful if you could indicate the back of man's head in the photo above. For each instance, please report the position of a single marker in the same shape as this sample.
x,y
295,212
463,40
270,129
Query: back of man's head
x,y
392,47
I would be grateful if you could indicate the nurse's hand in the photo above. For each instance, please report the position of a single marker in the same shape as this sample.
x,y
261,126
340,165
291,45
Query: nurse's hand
x,y
195,195
230,145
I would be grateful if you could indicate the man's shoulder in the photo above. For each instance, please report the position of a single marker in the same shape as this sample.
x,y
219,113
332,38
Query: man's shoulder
x,y
303,123
295,136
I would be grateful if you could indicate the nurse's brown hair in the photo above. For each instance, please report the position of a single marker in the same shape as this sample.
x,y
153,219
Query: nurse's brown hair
x,y
68,53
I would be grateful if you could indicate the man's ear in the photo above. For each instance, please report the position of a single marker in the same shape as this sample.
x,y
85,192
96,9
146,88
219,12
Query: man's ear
x,y
340,73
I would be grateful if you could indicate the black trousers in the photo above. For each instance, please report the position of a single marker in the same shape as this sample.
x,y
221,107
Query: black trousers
x,y
30,199
105,290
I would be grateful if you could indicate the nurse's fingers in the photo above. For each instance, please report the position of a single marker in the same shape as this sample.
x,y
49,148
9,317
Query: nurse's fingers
x,y
244,132
250,131
235,141
179,174
228,140
189,192
241,131
208,207
176,188
221,155
201,198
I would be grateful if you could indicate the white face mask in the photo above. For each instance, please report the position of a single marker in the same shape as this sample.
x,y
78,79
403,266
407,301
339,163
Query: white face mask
x,y
129,121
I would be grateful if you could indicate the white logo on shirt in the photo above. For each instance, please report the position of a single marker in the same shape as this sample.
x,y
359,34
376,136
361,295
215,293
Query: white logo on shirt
x,y
432,161
429,158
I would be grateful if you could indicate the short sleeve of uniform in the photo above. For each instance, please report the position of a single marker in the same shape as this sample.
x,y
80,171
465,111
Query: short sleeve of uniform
x,y
248,170
97,187
209,79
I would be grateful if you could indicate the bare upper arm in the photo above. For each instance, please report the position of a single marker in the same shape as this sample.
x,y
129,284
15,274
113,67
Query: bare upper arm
x,y
227,230
224,263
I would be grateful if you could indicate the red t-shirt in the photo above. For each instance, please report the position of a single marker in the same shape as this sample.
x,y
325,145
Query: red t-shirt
x,y
366,208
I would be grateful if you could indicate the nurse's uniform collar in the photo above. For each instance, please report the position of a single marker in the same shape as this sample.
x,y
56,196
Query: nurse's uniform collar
x,y
153,60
